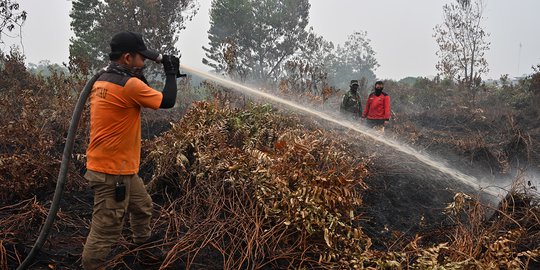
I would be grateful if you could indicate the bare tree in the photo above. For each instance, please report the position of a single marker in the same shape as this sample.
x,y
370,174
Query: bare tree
x,y
11,17
462,42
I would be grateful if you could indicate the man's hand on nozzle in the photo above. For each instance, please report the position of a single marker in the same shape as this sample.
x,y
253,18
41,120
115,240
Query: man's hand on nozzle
x,y
171,64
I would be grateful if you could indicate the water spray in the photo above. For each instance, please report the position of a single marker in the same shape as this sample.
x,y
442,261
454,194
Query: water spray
x,y
466,179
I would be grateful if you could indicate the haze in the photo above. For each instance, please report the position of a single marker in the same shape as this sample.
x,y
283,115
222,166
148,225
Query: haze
x,y
400,32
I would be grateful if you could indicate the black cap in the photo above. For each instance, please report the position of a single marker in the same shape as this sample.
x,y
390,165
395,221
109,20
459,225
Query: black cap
x,y
132,42
379,82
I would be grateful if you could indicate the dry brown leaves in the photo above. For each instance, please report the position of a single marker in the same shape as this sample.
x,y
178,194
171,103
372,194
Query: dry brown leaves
x,y
34,117
259,189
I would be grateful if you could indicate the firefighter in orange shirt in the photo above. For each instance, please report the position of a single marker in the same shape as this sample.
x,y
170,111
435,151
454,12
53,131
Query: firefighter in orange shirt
x,y
113,154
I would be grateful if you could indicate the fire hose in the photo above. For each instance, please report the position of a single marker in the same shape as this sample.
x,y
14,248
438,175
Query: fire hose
x,y
66,158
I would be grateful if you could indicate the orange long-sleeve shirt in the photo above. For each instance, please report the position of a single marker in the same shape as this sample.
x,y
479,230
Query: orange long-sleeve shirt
x,y
115,123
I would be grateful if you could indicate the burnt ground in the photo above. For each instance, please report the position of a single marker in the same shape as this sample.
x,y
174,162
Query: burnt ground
x,y
405,197
402,202
63,247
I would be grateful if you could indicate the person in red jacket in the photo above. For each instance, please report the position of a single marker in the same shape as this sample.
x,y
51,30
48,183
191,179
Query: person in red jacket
x,y
377,109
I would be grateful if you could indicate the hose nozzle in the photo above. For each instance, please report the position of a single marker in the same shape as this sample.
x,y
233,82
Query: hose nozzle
x,y
158,58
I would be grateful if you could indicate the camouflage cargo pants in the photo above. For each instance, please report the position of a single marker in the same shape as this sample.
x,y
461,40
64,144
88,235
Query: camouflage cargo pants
x,y
108,215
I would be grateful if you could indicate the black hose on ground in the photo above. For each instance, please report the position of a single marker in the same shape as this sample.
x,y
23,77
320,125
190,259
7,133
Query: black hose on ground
x,y
66,158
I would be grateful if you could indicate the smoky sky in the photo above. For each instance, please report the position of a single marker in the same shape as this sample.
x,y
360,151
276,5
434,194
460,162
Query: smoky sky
x,y
401,33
